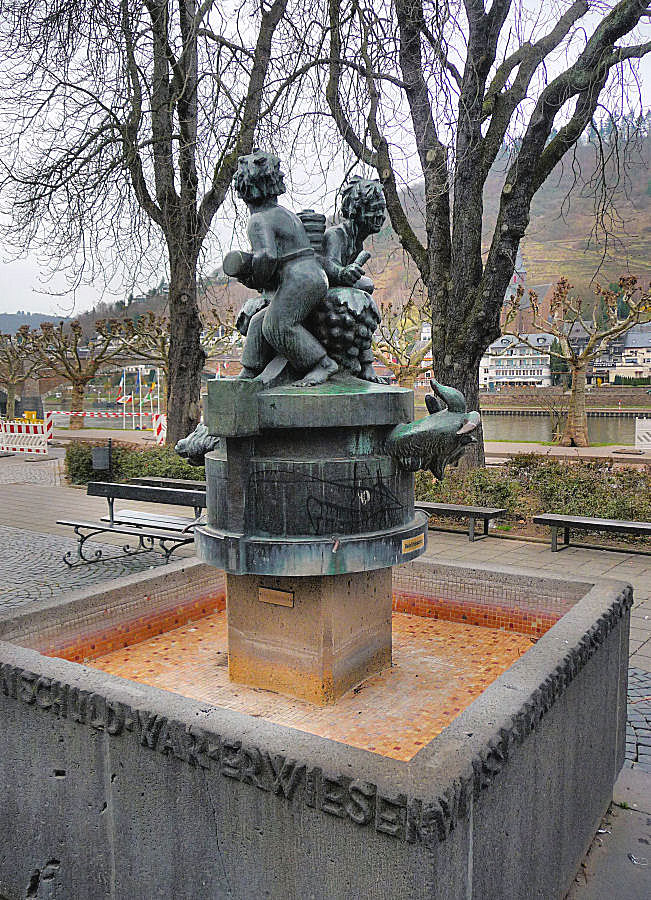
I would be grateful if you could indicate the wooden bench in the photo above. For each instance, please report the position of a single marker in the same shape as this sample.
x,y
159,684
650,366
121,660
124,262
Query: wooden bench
x,y
180,483
586,523
485,513
169,532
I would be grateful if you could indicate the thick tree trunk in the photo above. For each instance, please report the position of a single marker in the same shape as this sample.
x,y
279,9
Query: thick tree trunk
x,y
462,372
186,355
11,400
406,379
77,405
576,424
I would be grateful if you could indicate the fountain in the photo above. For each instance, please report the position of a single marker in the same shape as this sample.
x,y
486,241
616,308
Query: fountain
x,y
250,724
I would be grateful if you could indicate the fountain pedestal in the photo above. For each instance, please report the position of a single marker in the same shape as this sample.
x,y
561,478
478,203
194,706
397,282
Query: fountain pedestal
x,y
311,637
307,513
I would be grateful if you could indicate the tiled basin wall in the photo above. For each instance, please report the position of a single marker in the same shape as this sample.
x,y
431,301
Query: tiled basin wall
x,y
132,610
136,609
485,597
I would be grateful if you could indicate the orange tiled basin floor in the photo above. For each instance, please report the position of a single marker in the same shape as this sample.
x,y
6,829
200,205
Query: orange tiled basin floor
x,y
439,668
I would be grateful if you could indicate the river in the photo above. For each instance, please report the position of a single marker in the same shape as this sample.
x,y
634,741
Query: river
x,y
518,427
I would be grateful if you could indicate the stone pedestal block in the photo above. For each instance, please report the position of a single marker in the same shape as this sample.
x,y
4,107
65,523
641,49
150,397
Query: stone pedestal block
x,y
311,637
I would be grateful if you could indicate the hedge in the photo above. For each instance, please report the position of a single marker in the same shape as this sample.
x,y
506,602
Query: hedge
x,y
128,461
530,484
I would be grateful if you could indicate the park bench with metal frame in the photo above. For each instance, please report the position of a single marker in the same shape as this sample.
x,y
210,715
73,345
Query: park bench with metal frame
x,y
472,513
169,532
587,523
152,481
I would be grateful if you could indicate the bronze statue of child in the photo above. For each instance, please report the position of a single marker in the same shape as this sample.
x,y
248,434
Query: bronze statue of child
x,y
348,317
364,210
284,265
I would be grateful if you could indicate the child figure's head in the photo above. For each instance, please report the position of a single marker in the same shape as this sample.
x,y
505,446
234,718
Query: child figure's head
x,y
258,177
363,202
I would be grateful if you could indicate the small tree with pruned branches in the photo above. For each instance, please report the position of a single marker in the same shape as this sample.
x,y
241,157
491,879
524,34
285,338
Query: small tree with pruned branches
x,y
569,318
17,365
397,343
60,348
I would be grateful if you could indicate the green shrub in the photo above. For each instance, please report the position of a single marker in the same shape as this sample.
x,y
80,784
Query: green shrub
x,y
530,484
475,487
128,461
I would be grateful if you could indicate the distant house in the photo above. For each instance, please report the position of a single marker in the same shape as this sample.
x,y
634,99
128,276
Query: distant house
x,y
510,361
628,355
634,354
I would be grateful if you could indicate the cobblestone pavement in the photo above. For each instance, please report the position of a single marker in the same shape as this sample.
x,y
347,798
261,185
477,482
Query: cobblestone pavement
x,y
32,567
17,469
638,726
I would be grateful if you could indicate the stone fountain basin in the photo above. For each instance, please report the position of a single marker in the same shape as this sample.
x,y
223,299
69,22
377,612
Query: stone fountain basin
x,y
113,787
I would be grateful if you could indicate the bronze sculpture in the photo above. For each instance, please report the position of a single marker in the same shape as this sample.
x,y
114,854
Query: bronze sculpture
x,y
284,265
347,318
316,312
439,439
295,260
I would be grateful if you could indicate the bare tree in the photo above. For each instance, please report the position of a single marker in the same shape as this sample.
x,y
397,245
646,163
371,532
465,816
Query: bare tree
x,y
151,341
456,83
60,349
592,333
397,343
124,122
17,365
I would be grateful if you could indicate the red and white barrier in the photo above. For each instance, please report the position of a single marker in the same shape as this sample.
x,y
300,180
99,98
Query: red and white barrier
x,y
97,415
159,425
23,437
48,421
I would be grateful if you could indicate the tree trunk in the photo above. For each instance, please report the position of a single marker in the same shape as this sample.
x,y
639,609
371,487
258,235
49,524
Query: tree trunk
x,y
11,400
406,379
462,373
186,355
77,405
576,424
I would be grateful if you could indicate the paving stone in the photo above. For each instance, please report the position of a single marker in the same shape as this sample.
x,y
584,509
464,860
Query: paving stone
x,y
32,566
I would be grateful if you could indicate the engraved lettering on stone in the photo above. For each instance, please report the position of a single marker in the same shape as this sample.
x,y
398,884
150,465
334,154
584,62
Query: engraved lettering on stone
x,y
198,747
288,775
97,712
59,698
252,768
8,677
231,759
312,787
43,693
150,726
115,717
26,687
360,805
390,815
334,795
77,704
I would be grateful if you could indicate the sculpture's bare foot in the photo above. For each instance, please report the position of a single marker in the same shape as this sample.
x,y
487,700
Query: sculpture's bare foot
x,y
368,373
320,373
247,373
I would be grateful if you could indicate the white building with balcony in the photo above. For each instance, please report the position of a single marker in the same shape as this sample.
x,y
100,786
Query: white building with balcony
x,y
510,361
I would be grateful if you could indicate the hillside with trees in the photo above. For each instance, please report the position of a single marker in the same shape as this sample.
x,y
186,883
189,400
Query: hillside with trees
x,y
11,322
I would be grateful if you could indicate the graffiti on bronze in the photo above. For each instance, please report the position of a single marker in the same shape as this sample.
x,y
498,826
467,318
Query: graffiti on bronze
x,y
364,501
337,796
